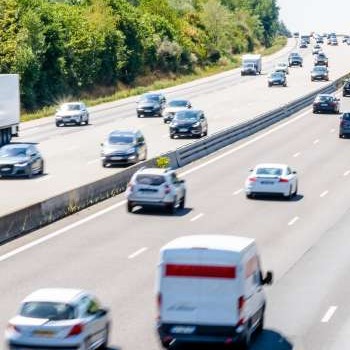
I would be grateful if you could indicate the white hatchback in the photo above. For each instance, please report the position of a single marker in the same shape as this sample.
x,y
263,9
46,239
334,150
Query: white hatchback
x,y
59,319
272,179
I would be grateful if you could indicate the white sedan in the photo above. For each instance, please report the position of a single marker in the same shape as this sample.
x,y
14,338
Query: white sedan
x,y
282,67
59,319
272,179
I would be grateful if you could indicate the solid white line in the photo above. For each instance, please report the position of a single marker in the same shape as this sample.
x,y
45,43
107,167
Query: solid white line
x,y
347,173
296,154
138,252
238,192
293,221
316,141
60,231
329,314
323,194
197,217
93,161
244,145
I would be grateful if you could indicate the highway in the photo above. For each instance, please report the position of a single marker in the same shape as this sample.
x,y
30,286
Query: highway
x,y
304,241
72,153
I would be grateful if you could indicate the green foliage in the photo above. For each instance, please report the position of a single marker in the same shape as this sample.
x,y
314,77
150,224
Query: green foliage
x,y
66,48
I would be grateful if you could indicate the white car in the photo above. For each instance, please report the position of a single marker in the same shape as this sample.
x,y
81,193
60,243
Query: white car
x,y
272,179
59,319
174,106
72,113
155,187
282,67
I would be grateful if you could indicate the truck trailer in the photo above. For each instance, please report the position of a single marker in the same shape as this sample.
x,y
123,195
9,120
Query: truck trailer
x,y
9,107
251,64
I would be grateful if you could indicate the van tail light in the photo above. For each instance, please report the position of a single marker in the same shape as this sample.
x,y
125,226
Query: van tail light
x,y
252,179
240,307
159,304
167,189
76,330
12,328
283,180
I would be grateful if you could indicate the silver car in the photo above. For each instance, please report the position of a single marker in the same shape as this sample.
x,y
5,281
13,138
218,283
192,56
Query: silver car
x,y
72,113
59,319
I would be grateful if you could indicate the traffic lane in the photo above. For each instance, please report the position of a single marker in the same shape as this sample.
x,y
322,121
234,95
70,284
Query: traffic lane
x,y
142,239
313,294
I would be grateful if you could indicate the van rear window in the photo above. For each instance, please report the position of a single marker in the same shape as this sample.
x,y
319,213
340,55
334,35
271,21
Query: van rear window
x,y
202,271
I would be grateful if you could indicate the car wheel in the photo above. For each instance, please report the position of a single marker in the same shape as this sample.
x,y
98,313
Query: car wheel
x,y
41,171
58,124
81,122
182,202
172,136
104,164
249,196
206,132
165,344
290,195
104,345
29,172
296,191
129,207
171,208
341,136
87,120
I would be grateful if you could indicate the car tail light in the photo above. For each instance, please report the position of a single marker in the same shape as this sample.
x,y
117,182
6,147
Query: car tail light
x,y
240,307
252,179
11,327
167,189
76,329
283,180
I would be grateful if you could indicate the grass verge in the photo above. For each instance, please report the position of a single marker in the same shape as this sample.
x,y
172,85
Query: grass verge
x,y
160,82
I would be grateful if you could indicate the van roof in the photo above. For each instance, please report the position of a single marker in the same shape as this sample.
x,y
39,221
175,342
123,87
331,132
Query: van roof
x,y
218,242
251,56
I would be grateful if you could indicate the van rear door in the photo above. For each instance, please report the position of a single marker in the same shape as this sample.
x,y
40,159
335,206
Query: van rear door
x,y
200,286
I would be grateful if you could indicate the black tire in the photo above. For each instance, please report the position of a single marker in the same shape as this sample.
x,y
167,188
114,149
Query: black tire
x,y
165,344
296,191
341,136
129,207
182,202
58,124
81,122
42,168
206,133
171,208
104,164
104,345
290,196
29,172
249,196
87,121
172,136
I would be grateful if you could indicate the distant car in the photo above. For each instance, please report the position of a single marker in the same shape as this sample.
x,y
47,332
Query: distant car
x,y
334,41
295,59
345,38
344,125
303,45
320,40
20,159
321,60
59,319
174,106
124,147
189,122
272,179
346,88
319,73
282,67
316,49
326,103
72,113
156,187
151,104
277,78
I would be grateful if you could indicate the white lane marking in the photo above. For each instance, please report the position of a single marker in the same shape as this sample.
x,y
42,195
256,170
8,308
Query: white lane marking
x,y
293,221
238,192
197,217
332,130
244,145
329,314
347,173
138,252
60,231
93,161
323,194
295,155
45,178
316,141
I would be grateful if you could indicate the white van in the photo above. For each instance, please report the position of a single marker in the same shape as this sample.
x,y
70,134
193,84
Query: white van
x,y
210,289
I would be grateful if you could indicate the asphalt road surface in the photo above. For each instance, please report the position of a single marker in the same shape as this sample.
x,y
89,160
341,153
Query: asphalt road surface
x,y
72,153
305,241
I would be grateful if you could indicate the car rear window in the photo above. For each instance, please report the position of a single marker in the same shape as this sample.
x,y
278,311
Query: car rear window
x,y
153,180
269,171
324,98
48,310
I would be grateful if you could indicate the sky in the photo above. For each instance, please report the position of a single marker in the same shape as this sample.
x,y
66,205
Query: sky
x,y
316,16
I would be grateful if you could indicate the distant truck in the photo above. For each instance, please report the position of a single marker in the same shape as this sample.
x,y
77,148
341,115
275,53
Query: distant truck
x,y
306,38
9,107
251,64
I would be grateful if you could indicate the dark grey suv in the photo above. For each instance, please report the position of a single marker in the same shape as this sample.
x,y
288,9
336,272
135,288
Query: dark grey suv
x,y
20,159
151,104
123,147
344,125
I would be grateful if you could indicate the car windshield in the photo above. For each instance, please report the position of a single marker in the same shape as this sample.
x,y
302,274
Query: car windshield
x,y
153,180
319,69
70,107
177,103
120,140
48,310
346,116
276,75
186,116
9,151
269,171
149,98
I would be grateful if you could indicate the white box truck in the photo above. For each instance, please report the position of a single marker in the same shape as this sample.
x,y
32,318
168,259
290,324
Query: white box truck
x,y
9,107
251,64
210,290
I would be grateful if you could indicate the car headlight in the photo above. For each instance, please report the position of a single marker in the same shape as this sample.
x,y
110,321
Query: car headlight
x,y
25,163
130,151
196,124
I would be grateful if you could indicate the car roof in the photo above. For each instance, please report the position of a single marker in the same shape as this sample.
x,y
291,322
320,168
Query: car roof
x,y
19,145
271,165
178,99
59,295
190,111
154,171
325,95
118,132
218,242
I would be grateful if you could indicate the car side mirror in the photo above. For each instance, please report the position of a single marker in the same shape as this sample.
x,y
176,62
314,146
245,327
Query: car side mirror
x,y
181,181
294,172
102,312
250,170
102,144
268,280
189,106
